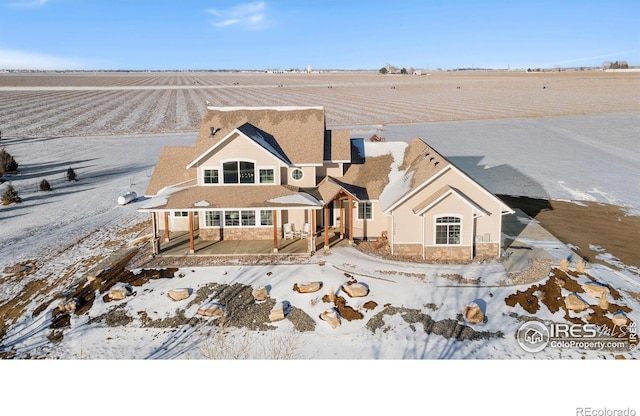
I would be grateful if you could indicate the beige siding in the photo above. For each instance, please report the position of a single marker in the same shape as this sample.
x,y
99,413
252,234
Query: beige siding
x,y
489,224
451,205
373,228
330,169
308,177
408,226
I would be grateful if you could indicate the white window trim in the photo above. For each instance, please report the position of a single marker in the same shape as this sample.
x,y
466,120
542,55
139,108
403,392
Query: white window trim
x,y
357,208
259,211
275,175
203,176
258,219
238,160
295,169
204,225
435,224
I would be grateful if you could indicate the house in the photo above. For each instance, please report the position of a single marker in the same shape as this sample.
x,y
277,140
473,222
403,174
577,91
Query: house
x,y
274,173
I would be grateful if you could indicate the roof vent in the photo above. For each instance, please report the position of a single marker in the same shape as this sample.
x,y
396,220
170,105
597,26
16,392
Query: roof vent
x,y
436,164
213,131
431,159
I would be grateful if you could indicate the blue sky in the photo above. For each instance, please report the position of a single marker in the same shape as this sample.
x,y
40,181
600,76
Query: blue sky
x,y
343,34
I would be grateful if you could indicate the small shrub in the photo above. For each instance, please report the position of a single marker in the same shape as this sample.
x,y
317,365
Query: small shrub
x,y
71,175
45,186
7,162
10,195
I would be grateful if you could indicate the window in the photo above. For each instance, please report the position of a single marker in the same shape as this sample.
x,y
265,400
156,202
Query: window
x,y
212,219
238,172
266,217
230,172
180,214
267,176
211,176
297,174
248,218
365,211
231,218
247,173
448,230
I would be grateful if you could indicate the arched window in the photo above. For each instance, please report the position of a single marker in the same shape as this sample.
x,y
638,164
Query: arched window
x,y
239,172
448,230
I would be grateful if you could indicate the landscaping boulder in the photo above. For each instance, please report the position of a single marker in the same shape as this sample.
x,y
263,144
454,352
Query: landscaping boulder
x,y
307,287
596,289
619,319
356,290
574,302
604,302
473,314
68,306
214,311
277,313
330,316
260,294
178,294
120,292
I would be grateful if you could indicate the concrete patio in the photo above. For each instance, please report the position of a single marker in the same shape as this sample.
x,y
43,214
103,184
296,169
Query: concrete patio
x,y
178,246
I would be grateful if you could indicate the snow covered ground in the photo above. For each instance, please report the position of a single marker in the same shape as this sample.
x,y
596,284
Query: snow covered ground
x,y
568,160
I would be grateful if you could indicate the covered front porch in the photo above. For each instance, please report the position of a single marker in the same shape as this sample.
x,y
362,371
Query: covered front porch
x,y
179,245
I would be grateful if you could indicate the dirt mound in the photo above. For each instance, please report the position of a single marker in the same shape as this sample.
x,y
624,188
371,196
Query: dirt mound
x,y
549,294
346,311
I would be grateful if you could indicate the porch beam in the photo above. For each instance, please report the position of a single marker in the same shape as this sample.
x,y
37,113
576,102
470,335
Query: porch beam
x,y
191,239
166,226
274,214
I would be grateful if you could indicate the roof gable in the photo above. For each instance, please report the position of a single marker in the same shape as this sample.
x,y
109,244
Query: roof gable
x,y
298,131
423,165
250,132
441,194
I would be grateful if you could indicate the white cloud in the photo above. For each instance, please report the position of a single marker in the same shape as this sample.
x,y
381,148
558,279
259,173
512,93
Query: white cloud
x,y
250,15
11,59
28,3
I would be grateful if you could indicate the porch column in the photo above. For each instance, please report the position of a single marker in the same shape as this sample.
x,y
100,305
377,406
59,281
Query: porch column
x,y
310,235
313,230
341,219
154,236
350,219
326,227
166,226
274,214
191,240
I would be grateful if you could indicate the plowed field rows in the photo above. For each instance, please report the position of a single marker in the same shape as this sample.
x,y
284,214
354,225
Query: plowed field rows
x,y
51,104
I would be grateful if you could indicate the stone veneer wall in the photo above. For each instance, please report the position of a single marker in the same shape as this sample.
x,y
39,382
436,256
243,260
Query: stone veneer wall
x,y
450,253
407,250
258,233
486,250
